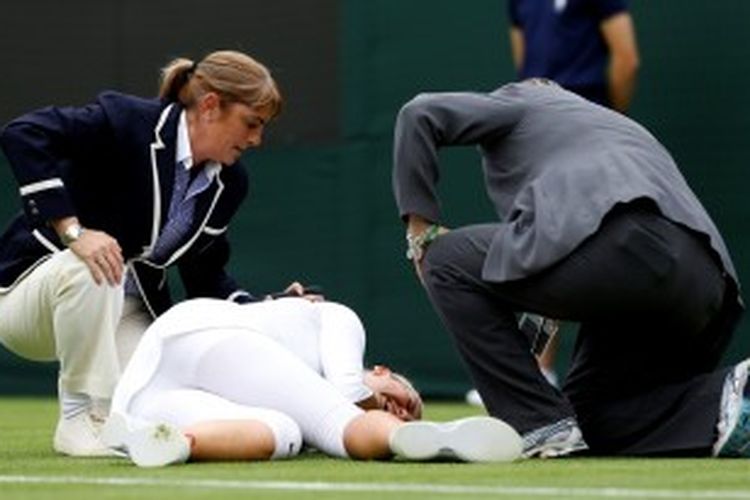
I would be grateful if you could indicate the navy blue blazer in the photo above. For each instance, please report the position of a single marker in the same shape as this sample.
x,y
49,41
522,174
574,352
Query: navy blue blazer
x,y
112,164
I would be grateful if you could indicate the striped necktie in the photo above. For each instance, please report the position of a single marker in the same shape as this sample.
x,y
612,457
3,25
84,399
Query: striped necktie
x,y
179,217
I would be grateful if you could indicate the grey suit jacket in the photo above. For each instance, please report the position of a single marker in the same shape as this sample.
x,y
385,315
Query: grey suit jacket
x,y
554,165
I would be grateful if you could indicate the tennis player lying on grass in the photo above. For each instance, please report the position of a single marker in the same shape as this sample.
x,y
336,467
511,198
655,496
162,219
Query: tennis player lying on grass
x,y
214,380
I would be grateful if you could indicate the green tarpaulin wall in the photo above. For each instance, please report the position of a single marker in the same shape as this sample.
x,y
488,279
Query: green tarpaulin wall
x,y
321,209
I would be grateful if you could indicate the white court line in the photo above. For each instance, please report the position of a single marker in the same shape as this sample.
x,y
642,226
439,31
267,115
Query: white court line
x,y
380,487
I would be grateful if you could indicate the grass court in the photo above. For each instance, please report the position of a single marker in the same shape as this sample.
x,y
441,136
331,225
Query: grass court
x,y
30,470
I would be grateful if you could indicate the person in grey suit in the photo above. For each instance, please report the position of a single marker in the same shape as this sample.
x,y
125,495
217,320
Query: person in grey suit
x,y
597,226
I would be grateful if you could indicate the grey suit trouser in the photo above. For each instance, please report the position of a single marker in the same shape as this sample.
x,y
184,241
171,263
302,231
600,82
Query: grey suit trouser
x,y
648,295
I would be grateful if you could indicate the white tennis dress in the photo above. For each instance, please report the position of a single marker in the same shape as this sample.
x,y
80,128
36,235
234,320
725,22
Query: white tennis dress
x,y
290,363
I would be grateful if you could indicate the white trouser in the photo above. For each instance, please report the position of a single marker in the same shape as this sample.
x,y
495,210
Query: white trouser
x,y
57,312
134,321
231,375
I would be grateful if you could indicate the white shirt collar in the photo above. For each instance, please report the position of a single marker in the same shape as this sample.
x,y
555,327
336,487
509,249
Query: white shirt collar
x,y
184,153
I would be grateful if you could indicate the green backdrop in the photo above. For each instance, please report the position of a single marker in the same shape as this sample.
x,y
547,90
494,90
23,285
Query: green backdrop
x,y
321,209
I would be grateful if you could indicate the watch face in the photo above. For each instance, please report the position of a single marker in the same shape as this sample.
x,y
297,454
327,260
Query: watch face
x,y
72,233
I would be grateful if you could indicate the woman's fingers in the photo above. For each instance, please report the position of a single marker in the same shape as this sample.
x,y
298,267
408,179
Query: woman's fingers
x,y
102,255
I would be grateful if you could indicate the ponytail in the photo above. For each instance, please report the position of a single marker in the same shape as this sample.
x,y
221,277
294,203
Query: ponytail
x,y
234,76
174,78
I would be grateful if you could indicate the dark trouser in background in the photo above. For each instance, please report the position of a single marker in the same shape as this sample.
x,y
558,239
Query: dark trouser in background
x,y
648,295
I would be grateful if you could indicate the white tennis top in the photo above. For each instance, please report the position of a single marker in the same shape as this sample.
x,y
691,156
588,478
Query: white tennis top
x,y
328,337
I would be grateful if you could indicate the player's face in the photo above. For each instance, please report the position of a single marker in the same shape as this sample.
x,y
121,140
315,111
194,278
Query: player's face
x,y
397,399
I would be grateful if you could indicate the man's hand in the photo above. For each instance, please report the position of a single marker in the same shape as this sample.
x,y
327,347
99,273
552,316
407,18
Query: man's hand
x,y
415,231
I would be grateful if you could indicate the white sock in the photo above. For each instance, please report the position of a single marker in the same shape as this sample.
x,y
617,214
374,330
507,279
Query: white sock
x,y
73,404
100,407
286,433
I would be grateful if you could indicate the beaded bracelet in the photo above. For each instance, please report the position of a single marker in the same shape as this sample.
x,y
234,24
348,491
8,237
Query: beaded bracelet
x,y
417,244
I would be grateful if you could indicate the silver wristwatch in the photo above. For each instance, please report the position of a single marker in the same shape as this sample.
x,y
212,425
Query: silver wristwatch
x,y
71,234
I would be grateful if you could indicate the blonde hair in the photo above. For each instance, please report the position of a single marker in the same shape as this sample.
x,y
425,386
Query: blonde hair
x,y
409,387
234,76
411,390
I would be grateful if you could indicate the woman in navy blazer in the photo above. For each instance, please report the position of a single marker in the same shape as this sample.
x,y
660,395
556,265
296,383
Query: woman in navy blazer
x,y
113,194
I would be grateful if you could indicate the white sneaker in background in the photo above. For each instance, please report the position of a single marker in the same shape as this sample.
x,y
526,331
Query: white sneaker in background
x,y
80,436
147,444
472,439
551,376
473,398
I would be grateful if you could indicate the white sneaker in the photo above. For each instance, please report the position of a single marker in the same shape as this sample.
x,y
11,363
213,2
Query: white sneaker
x,y
147,444
80,436
472,439
474,398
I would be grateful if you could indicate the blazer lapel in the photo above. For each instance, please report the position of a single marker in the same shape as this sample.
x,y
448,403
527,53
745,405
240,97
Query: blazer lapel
x,y
163,167
204,207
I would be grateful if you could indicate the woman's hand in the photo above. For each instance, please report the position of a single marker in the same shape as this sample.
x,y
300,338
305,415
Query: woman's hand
x,y
99,251
102,254
296,289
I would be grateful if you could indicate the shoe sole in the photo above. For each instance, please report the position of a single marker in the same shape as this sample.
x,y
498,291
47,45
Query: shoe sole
x,y
114,431
63,448
555,450
150,445
473,439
